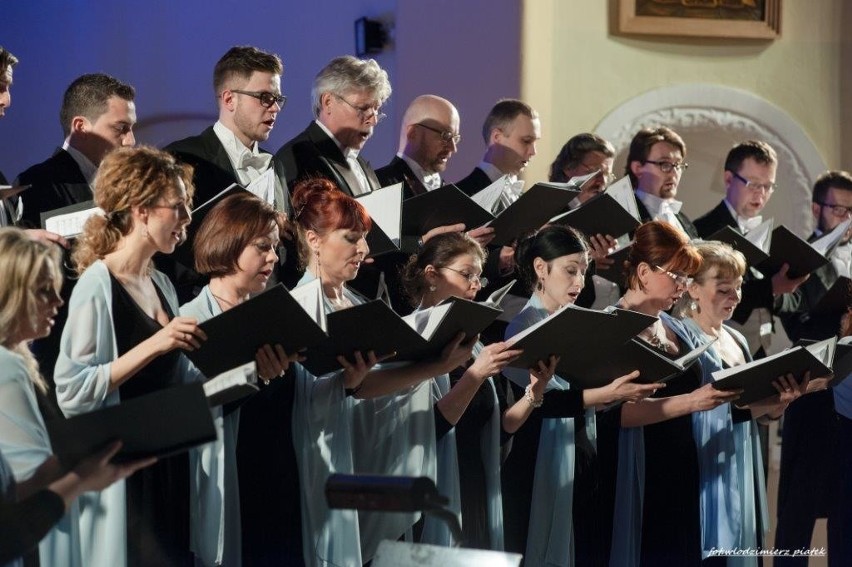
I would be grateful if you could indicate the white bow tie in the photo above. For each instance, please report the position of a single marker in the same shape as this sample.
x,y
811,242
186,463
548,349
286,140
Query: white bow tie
x,y
749,224
432,181
257,161
671,206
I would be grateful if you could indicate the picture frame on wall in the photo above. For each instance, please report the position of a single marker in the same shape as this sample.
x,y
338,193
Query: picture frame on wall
x,y
734,19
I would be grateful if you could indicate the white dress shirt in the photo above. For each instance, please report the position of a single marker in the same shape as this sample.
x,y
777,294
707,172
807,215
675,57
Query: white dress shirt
x,y
351,156
662,209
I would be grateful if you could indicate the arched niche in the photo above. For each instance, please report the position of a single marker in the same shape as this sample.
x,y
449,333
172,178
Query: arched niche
x,y
711,119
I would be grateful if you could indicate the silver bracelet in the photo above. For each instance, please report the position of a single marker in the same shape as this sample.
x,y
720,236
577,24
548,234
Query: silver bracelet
x,y
528,396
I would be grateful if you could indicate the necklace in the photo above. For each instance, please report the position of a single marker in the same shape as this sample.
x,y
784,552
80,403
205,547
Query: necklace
x,y
222,299
655,340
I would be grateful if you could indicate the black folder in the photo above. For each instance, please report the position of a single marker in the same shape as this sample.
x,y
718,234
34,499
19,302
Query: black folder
x,y
837,298
753,254
530,211
574,331
377,239
756,378
788,248
444,206
842,364
462,316
653,366
599,215
159,424
615,272
369,326
271,317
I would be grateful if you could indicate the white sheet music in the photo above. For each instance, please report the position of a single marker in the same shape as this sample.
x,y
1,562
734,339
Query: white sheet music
x,y
385,208
489,197
622,192
309,296
826,242
264,186
70,224
239,376
578,181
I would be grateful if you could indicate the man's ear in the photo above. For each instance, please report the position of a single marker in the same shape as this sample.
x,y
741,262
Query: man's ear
x,y
80,124
228,99
635,167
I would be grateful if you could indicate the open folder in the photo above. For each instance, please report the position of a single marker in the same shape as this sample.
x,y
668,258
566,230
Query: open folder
x,y
271,317
575,331
653,365
842,364
183,252
531,210
754,245
787,248
836,299
601,214
232,385
443,206
385,208
756,377
159,424
68,221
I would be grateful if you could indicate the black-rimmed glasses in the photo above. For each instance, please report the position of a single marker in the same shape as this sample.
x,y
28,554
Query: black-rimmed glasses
x,y
266,98
668,167
445,135
836,210
752,186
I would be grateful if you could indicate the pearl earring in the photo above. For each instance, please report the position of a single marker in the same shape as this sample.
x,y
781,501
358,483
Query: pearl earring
x,y
433,287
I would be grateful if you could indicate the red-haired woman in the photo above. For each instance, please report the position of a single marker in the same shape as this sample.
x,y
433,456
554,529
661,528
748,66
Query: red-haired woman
x,y
365,419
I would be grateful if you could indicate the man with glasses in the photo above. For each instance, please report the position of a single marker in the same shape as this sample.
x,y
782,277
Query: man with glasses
x,y
809,486
655,164
427,140
347,98
581,155
749,183
247,85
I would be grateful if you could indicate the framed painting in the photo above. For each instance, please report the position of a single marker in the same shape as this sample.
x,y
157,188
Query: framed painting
x,y
751,19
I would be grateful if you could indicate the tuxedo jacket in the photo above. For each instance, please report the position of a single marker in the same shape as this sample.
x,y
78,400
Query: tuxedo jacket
x,y
687,225
212,173
314,154
757,290
56,182
476,181
398,171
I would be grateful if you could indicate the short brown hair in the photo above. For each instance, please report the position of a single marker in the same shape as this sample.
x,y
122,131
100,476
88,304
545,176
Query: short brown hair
x,y
240,62
228,229
644,140
572,153
761,152
88,95
658,243
836,179
503,113
6,59
439,251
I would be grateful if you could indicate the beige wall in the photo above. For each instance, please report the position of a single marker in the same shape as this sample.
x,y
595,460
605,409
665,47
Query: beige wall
x,y
575,69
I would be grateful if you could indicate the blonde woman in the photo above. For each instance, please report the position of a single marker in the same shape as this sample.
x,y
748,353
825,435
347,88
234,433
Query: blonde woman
x,y
29,474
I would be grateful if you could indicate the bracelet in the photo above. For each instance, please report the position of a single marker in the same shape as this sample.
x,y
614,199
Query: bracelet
x,y
528,396
353,391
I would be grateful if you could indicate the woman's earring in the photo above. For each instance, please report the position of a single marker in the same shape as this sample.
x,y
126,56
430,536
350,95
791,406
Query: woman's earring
x,y
433,287
539,285
693,305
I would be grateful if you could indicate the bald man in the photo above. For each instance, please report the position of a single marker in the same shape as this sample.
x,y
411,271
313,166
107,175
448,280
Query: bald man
x,y
427,140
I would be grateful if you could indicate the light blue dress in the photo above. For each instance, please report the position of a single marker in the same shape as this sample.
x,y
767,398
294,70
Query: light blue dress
x,y
215,534
731,471
550,540
391,435
82,375
25,445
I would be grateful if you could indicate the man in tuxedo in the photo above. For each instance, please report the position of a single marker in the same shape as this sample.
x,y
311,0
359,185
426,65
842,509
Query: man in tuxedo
x,y
807,484
8,209
428,139
581,155
97,115
655,163
347,98
247,84
749,183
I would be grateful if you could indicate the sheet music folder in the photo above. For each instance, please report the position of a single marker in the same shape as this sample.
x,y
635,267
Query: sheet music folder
x,y
271,317
183,252
753,254
443,206
530,211
574,332
788,248
159,424
836,299
756,377
599,215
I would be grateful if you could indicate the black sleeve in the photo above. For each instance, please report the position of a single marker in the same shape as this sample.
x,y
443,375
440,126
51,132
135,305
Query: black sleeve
x,y
23,524
740,415
442,426
557,403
